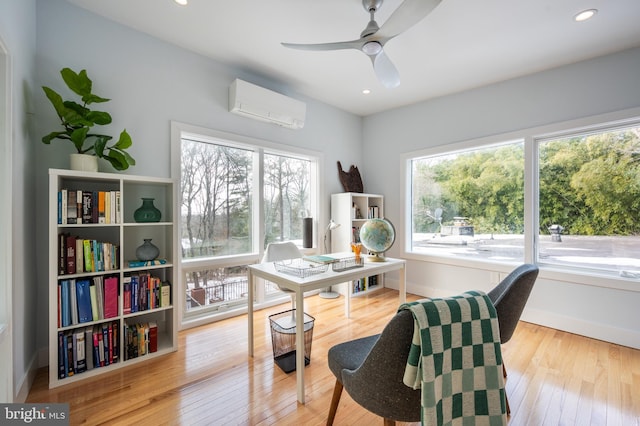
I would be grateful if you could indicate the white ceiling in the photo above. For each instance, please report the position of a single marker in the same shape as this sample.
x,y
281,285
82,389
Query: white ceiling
x,y
461,45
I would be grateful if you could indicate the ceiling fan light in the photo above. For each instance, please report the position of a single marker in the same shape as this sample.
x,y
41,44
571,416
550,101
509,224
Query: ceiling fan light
x,y
372,48
181,2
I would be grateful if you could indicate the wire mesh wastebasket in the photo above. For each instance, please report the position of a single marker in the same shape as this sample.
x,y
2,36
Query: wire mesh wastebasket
x,y
283,338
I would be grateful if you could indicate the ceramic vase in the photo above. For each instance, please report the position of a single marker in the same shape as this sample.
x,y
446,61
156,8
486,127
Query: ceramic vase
x,y
83,162
147,251
147,212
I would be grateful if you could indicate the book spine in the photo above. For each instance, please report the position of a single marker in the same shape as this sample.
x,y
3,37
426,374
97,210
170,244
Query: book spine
x,y
62,371
87,207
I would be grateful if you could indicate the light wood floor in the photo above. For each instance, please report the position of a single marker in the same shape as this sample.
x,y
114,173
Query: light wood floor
x,y
555,378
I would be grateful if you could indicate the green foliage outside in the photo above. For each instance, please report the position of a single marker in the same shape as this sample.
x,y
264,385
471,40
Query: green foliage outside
x,y
589,185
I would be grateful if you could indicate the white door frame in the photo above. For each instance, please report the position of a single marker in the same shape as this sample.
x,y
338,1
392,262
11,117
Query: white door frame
x,y
6,258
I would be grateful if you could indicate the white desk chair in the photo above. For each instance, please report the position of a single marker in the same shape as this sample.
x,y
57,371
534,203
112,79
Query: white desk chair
x,y
283,251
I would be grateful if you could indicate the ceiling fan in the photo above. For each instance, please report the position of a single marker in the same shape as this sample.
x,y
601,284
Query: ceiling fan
x,y
373,37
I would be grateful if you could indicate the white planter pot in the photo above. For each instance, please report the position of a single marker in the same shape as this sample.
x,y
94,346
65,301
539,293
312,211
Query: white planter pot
x,y
84,162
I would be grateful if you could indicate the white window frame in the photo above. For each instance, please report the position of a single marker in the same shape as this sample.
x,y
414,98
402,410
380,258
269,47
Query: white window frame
x,y
531,138
259,146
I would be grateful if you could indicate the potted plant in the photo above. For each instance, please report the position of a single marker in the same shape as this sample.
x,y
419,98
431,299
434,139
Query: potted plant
x,y
78,121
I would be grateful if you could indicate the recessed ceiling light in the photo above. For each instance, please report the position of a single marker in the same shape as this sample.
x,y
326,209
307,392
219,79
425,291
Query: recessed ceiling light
x,y
366,91
181,2
585,14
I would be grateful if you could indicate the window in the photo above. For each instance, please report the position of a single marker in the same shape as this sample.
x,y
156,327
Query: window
x,y
237,196
470,203
589,201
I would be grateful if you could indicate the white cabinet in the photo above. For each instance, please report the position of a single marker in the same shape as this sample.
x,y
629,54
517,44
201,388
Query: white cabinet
x,y
131,316
351,210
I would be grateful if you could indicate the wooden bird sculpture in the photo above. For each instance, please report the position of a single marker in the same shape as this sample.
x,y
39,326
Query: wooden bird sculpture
x,y
351,180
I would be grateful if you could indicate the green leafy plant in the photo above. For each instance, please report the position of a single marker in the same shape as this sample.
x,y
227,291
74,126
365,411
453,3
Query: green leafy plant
x,y
78,121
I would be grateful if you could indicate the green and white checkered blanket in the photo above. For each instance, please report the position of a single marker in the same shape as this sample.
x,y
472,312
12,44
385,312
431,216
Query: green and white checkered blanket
x,y
455,358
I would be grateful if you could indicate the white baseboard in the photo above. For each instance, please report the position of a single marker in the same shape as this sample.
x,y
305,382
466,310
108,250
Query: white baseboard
x,y
24,385
594,330
580,326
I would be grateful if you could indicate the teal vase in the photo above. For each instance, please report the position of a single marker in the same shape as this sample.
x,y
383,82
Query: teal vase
x,y
147,251
147,212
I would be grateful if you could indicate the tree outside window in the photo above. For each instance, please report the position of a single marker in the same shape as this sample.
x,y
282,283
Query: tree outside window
x,y
471,203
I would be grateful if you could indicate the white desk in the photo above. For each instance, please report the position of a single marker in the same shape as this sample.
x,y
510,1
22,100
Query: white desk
x,y
300,285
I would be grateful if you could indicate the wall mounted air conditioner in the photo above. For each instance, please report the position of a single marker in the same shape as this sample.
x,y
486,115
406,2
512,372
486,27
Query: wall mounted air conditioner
x,y
262,104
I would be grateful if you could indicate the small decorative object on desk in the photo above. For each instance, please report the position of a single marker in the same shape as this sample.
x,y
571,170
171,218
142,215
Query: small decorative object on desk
x,y
147,212
147,251
300,268
347,263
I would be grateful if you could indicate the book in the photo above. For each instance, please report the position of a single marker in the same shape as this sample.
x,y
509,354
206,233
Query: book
x,y
111,345
59,207
88,341
70,246
99,282
143,263
73,304
110,297
69,363
96,347
100,345
62,254
63,206
94,301
165,295
62,371
319,258
72,209
101,207
79,256
87,207
83,299
88,261
126,295
80,362
118,207
153,337
65,303
79,207
105,343
115,327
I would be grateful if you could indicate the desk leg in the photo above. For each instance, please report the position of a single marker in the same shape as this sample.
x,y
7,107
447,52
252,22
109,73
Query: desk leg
x,y
250,310
403,285
300,345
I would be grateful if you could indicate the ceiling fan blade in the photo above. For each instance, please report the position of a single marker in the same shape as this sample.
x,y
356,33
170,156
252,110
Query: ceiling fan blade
x,y
385,70
353,44
409,13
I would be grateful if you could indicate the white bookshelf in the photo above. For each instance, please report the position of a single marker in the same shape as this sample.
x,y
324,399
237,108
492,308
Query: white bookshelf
x,y
127,235
351,210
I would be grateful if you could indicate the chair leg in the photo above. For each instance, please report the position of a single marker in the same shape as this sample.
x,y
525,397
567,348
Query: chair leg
x,y
506,398
335,400
389,422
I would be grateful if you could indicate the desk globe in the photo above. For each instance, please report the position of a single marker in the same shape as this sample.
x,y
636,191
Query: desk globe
x,y
377,236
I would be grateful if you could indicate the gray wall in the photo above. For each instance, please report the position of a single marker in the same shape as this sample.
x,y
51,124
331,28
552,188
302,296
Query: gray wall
x,y
152,83
17,30
599,86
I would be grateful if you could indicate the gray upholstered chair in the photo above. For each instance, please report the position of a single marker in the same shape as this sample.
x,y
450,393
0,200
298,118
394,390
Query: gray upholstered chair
x,y
509,298
371,370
